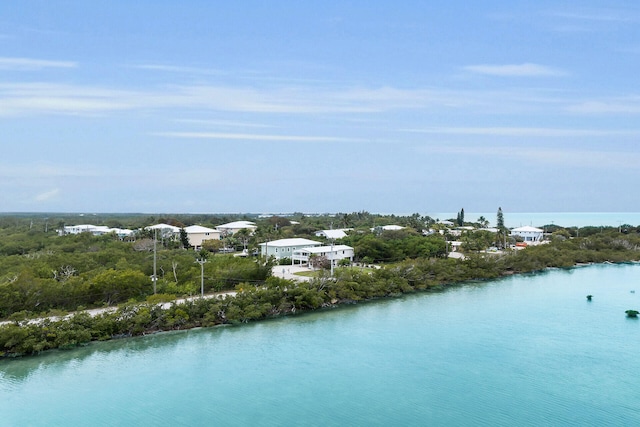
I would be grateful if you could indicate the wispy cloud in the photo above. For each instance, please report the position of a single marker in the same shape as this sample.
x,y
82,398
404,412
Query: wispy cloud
x,y
254,137
588,20
48,98
623,105
603,15
40,171
176,69
567,157
28,64
515,70
523,131
47,195
224,123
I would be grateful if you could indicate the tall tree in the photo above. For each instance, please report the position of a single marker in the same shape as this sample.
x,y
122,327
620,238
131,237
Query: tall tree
x,y
501,235
184,238
460,218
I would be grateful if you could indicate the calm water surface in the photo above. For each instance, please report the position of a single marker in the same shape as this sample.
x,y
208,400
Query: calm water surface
x,y
528,350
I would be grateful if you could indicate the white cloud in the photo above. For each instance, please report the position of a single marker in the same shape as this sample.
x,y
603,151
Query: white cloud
x,y
604,15
176,69
47,195
40,171
627,105
253,137
224,123
522,131
24,64
515,70
48,98
566,157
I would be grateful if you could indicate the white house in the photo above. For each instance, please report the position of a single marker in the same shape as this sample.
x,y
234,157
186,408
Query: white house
x,y
77,229
333,253
234,227
96,230
166,231
333,234
528,234
490,229
284,248
198,234
391,227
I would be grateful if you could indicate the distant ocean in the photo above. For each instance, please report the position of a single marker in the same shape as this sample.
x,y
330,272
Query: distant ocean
x,y
563,219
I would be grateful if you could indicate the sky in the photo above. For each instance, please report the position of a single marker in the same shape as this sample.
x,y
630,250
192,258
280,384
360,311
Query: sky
x,y
199,106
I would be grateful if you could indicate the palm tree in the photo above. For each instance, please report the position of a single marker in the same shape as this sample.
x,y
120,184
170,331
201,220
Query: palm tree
x,y
243,236
484,223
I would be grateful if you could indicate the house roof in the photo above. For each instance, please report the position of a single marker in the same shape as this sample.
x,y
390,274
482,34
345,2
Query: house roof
x,y
332,234
164,227
237,225
491,229
199,229
528,228
292,242
392,227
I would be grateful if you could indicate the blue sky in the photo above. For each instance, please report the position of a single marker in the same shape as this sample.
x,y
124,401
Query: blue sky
x,y
280,106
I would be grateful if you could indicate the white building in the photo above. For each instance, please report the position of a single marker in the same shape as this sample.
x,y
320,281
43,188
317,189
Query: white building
x,y
234,227
528,234
198,234
391,227
333,234
82,228
333,253
284,248
166,231
96,230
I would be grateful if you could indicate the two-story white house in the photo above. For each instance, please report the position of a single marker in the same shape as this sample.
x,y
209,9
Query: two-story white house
x,y
333,253
284,248
529,234
198,234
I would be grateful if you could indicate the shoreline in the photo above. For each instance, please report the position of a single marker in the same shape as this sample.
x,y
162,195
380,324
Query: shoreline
x,y
185,303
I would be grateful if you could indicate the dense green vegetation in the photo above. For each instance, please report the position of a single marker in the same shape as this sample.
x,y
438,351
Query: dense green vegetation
x,y
44,274
67,272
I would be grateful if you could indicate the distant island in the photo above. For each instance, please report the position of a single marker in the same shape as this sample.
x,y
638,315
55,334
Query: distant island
x,y
150,273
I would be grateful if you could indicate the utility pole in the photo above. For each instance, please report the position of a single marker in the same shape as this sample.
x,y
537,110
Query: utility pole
x,y
332,257
201,261
154,278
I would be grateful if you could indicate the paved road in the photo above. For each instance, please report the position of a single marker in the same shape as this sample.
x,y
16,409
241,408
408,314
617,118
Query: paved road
x,y
98,311
286,272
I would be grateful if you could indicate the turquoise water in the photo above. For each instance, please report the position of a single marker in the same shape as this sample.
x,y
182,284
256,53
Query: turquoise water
x,y
527,350
563,219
